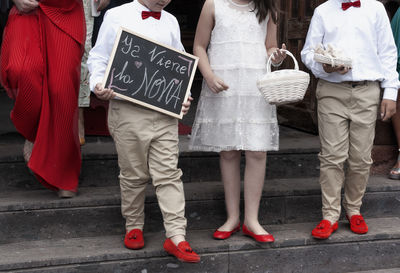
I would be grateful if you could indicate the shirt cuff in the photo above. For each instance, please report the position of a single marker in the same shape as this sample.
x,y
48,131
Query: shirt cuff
x,y
94,82
390,94
320,72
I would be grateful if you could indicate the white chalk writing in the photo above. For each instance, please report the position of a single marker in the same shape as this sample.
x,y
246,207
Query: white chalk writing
x,y
158,87
166,63
129,48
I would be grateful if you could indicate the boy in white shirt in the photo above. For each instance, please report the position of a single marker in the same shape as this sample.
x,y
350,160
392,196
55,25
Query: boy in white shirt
x,y
348,101
146,140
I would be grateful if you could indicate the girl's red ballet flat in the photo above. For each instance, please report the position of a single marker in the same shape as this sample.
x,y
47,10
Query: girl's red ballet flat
x,y
264,238
222,235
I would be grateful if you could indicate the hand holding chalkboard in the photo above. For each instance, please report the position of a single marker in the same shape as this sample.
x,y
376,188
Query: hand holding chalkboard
x,y
186,105
104,93
150,74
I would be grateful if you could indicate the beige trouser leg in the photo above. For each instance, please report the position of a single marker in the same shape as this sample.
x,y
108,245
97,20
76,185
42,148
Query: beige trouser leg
x,y
147,146
346,121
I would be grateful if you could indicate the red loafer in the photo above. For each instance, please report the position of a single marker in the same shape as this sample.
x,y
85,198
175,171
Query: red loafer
x,y
357,224
183,251
134,239
222,235
324,229
263,238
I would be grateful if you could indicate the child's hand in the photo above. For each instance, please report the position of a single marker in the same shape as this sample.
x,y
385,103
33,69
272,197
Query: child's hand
x,y
186,105
278,55
216,84
388,109
339,69
104,93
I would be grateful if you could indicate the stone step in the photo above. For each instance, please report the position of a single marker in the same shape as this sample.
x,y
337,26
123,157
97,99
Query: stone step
x,y
386,270
40,214
293,251
297,157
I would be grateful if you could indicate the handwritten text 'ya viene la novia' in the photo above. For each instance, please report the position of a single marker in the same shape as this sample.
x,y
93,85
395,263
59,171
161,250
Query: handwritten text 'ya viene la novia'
x,y
153,85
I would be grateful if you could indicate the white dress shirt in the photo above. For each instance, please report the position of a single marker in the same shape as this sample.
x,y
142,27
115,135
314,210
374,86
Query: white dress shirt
x,y
166,31
363,34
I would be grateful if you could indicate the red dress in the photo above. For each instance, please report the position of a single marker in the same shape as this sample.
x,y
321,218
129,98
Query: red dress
x,y
40,68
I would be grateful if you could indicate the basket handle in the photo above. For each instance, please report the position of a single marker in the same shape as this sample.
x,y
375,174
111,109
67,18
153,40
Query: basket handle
x,y
296,65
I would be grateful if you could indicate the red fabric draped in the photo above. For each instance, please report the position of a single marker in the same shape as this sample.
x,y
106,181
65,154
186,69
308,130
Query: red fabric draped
x,y
40,69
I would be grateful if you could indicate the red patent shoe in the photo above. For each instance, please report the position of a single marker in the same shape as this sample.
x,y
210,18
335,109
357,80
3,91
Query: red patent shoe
x,y
357,224
222,235
183,251
134,239
324,229
263,238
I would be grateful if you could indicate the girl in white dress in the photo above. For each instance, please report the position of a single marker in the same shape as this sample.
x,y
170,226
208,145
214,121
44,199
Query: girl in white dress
x,y
233,41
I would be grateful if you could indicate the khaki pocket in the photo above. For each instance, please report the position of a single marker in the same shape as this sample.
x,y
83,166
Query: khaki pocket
x,y
318,89
113,117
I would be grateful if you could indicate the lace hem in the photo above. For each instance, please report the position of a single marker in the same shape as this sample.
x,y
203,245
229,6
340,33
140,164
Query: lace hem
x,y
234,136
204,148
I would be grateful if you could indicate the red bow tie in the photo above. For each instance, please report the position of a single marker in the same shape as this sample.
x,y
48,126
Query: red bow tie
x,y
347,5
154,14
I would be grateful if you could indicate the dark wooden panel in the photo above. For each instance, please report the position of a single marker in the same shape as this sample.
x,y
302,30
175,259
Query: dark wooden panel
x,y
297,29
293,31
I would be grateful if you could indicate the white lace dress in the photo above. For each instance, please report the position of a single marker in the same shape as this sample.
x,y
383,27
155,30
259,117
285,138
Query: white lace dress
x,y
238,118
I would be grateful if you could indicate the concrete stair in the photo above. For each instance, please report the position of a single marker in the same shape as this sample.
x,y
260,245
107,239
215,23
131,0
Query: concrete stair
x,y
293,251
42,233
39,214
296,158
392,270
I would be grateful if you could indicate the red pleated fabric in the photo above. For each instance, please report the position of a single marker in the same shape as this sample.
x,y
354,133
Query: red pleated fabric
x,y
40,68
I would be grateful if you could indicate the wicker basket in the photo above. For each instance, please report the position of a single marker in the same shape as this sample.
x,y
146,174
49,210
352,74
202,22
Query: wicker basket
x,y
283,86
332,61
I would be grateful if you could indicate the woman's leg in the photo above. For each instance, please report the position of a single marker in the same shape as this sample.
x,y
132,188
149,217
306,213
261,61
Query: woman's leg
x,y
230,172
253,185
396,128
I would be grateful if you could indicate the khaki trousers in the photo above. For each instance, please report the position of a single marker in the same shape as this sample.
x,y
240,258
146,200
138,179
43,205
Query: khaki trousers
x,y
147,147
346,120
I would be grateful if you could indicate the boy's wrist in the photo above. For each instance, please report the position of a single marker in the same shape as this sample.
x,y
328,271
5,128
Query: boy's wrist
x,y
390,93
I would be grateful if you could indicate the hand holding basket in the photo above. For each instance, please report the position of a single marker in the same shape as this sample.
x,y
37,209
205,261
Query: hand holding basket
x,y
284,86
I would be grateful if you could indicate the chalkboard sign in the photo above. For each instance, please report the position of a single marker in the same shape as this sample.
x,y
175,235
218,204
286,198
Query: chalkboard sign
x,y
149,73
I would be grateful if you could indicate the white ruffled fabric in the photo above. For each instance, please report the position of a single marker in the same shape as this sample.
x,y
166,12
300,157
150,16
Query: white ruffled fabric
x,y
238,118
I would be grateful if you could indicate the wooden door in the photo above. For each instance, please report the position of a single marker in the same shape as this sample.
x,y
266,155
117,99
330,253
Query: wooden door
x,y
292,31
187,13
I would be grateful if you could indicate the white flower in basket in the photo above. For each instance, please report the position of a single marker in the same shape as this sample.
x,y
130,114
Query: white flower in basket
x,y
283,86
331,55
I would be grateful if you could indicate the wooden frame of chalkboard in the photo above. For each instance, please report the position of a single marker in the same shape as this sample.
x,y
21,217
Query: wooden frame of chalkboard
x,y
149,73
